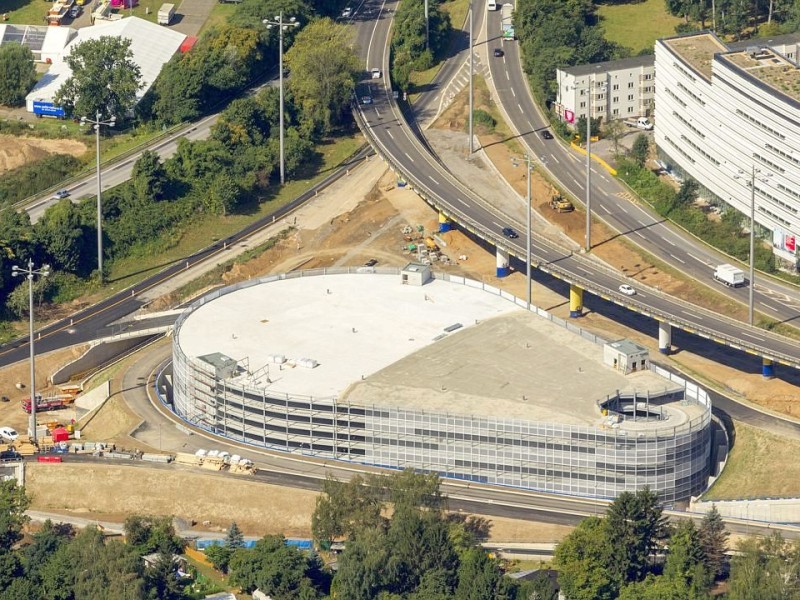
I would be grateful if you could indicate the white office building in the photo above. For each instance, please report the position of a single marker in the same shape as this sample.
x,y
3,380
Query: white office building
x,y
729,115
617,89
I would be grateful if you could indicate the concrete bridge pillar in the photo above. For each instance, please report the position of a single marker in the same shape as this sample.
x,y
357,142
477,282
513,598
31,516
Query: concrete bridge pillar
x,y
767,368
575,301
444,223
664,337
502,263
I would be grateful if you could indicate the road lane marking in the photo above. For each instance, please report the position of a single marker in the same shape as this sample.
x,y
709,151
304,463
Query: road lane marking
x,y
577,182
680,260
623,209
692,315
587,271
553,156
750,335
462,202
670,242
690,255
772,308
640,235
603,206
513,93
408,156
389,133
497,224
507,76
520,107
433,180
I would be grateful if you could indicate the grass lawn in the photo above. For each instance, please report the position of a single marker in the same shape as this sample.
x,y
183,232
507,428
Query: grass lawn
x,y
202,233
637,26
219,14
760,465
25,12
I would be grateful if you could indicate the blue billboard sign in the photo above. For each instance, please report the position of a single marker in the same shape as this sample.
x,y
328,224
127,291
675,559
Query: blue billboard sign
x,y
48,109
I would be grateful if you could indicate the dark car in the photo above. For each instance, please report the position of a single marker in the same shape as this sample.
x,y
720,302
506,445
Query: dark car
x,y
10,456
75,12
498,52
61,194
366,99
547,135
510,233
371,262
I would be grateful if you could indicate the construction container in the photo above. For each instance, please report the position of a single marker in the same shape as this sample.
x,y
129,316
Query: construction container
x,y
157,458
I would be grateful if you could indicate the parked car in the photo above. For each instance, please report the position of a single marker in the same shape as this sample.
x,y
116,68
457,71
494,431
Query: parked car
x,y
61,194
8,434
498,52
510,233
627,290
546,134
10,456
371,262
75,12
376,73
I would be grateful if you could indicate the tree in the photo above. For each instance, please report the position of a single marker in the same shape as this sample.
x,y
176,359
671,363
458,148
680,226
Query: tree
x,y
360,573
220,554
19,74
634,525
148,533
324,66
685,561
640,149
714,542
614,131
342,509
63,237
13,504
275,568
149,177
104,79
583,559
478,576
765,569
687,193
162,577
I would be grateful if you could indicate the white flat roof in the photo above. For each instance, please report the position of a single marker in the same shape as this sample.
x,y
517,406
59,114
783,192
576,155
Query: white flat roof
x,y
353,325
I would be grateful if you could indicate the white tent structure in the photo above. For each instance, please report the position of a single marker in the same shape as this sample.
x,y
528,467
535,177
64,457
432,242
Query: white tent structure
x,y
46,43
151,45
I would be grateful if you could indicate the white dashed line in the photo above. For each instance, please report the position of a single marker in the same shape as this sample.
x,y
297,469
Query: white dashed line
x,y
553,156
587,271
408,156
520,107
670,242
692,315
750,335
513,93
623,209
603,206
462,202
433,180
389,133
772,308
697,259
680,260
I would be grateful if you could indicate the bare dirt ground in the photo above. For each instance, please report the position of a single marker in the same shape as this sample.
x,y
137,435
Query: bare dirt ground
x,y
16,151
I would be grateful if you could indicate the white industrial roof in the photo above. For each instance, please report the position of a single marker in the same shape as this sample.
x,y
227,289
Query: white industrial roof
x,y
43,40
152,45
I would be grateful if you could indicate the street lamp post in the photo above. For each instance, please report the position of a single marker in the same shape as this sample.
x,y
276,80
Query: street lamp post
x,y
96,123
752,244
471,69
279,23
588,242
30,273
528,259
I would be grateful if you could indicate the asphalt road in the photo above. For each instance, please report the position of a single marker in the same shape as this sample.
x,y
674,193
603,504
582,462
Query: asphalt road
x,y
610,200
396,141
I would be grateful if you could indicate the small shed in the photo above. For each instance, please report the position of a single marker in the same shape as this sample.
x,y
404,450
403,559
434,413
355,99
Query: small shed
x,y
415,274
626,356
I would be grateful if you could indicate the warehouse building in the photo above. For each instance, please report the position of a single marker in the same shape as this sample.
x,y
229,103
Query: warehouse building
x,y
449,376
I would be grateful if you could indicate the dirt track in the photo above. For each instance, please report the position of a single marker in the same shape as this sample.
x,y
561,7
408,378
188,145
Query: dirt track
x,y
16,151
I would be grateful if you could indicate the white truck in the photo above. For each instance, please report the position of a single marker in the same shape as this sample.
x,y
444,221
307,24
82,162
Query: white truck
x,y
165,14
641,123
729,275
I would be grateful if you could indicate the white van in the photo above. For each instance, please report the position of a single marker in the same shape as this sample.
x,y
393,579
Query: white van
x,y
491,5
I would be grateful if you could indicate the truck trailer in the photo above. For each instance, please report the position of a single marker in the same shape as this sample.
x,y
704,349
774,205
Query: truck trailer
x,y
165,14
729,275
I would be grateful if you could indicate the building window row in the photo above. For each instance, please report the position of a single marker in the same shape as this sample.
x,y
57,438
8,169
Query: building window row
x,y
789,191
774,216
700,150
692,94
685,72
764,160
785,155
675,97
758,123
679,149
777,201
689,125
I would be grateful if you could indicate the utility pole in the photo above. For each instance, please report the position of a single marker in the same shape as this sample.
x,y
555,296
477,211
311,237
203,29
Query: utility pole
x,y
588,244
528,246
471,107
752,244
30,273
96,123
279,23
427,27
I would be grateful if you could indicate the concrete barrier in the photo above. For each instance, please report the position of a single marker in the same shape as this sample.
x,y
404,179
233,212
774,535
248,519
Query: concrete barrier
x,y
99,354
777,510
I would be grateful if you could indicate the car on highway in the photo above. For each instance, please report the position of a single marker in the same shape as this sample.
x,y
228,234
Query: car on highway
x,y
75,12
510,233
9,434
366,99
347,13
371,262
627,290
60,194
375,73
546,135
498,52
